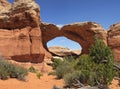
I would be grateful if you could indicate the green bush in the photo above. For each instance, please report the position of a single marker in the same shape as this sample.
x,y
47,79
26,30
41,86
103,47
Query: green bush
x,y
63,69
52,73
84,62
103,57
94,69
3,73
10,70
117,70
100,52
39,74
56,63
4,65
32,69
70,77
84,77
84,71
17,72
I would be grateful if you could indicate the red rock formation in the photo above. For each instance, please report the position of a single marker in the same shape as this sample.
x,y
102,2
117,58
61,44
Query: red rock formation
x,y
4,6
20,34
114,40
83,33
23,37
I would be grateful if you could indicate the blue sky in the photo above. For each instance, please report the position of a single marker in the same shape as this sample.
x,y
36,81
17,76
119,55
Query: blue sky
x,y
60,12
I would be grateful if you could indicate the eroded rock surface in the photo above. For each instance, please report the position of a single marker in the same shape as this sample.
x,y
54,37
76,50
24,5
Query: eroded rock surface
x,y
63,51
114,40
82,33
20,34
23,37
21,13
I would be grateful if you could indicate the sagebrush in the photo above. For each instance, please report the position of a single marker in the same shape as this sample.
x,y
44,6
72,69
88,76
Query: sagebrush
x,y
10,70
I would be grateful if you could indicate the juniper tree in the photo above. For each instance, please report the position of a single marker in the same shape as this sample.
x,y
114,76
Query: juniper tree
x,y
102,55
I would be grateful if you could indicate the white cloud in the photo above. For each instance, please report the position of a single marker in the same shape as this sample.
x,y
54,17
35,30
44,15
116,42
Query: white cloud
x,y
59,25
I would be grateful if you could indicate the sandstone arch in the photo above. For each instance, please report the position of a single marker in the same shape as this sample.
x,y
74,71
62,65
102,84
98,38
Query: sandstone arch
x,y
25,37
82,33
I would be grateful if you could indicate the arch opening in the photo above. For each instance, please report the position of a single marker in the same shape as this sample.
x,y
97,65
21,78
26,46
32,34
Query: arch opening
x,y
62,46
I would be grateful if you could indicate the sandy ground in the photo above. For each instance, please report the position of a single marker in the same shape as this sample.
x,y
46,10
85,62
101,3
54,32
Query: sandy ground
x,y
114,85
32,82
45,82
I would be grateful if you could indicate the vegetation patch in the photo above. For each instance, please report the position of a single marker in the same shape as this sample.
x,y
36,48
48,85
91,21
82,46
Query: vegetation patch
x,y
39,74
95,69
32,69
10,70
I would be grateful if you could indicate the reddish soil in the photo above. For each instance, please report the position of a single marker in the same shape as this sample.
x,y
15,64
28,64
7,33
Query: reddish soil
x,y
45,82
32,82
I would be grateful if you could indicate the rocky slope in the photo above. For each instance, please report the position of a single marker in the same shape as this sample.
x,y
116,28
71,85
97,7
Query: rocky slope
x,y
23,37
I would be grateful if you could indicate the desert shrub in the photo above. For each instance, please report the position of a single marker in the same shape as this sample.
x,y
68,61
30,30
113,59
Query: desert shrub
x,y
52,73
17,72
3,73
84,62
80,77
96,69
71,77
32,69
117,69
117,73
56,63
103,57
69,58
63,69
39,74
83,71
4,65
100,52
10,70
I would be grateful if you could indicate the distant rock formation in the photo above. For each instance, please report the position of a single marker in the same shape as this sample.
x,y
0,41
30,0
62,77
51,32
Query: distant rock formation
x,y
62,51
23,37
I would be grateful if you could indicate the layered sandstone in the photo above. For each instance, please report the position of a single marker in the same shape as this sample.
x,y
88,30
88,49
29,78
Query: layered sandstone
x,y
20,34
24,38
114,40
82,33
63,51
